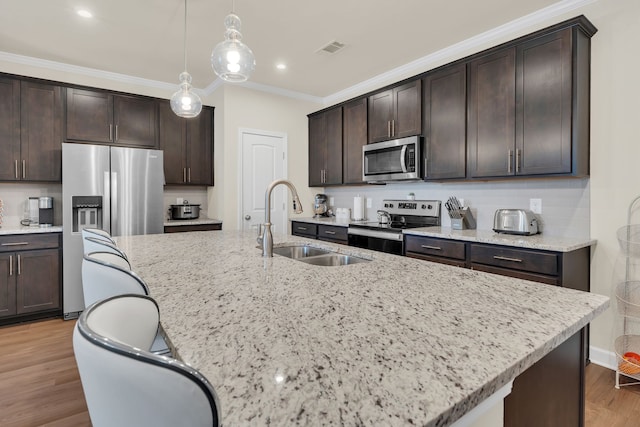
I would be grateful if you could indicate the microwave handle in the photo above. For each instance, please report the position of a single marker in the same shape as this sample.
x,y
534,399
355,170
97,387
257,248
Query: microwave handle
x,y
403,163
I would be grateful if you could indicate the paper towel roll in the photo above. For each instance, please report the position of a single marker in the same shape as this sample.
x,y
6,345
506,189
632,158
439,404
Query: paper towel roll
x,y
358,208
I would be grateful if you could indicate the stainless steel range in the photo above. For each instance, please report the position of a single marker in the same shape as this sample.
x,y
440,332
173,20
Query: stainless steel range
x,y
385,235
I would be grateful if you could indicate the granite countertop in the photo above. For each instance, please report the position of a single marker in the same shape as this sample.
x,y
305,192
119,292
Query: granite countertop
x,y
22,229
199,221
393,341
538,241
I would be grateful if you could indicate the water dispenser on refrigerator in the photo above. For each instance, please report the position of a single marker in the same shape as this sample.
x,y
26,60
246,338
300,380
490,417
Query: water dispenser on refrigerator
x,y
87,212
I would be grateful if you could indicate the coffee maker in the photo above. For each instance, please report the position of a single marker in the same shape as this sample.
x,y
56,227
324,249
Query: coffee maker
x,y
39,212
320,207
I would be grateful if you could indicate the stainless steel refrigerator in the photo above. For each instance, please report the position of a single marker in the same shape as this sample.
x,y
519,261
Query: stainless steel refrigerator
x,y
117,189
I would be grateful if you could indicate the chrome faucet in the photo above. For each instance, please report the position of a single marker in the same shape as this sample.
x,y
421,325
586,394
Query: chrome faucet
x,y
267,238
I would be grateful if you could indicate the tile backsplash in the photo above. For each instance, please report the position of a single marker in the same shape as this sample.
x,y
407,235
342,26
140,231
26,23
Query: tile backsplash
x,y
14,199
565,202
195,196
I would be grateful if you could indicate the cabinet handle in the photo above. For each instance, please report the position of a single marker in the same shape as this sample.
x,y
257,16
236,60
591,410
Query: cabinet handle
x,y
10,265
518,157
393,127
302,228
504,258
184,174
509,160
329,232
116,133
15,244
435,248
24,169
16,168
19,265
110,132
189,175
388,128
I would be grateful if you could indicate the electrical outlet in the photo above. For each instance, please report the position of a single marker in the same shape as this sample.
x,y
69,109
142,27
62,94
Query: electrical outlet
x,y
179,200
331,201
369,202
535,205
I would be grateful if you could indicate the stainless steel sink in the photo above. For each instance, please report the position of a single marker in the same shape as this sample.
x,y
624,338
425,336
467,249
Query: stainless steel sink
x,y
316,256
331,260
299,251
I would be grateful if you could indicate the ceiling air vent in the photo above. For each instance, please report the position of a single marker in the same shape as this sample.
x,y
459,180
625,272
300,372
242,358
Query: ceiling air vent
x,y
330,48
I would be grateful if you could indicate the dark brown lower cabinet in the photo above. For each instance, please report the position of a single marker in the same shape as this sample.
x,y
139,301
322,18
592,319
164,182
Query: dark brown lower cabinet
x,y
194,227
30,277
329,233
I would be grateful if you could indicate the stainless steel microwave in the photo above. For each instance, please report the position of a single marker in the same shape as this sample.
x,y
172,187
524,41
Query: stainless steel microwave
x,y
396,160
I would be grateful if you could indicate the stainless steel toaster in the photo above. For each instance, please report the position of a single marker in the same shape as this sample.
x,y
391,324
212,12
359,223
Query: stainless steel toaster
x,y
515,221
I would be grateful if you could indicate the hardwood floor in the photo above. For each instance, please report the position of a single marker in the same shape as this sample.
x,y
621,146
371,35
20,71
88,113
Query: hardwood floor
x,y
40,385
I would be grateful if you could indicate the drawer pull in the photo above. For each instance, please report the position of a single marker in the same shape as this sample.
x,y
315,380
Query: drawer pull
x,y
302,228
435,248
504,258
10,265
19,266
15,244
329,232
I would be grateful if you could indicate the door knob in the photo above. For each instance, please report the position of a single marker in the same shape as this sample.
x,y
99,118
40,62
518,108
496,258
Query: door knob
x,y
247,217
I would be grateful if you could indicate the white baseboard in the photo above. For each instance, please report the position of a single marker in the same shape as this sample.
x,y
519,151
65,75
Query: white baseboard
x,y
602,357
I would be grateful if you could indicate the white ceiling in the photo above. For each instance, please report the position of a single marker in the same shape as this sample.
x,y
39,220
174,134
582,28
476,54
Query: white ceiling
x,y
144,38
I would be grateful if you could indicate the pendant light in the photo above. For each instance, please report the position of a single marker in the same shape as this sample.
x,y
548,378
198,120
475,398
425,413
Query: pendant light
x,y
185,102
231,59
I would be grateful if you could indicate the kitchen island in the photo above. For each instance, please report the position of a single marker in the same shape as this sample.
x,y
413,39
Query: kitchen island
x,y
392,341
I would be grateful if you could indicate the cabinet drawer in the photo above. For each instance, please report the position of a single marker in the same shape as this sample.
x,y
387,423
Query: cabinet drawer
x,y
435,247
328,232
304,229
516,259
25,242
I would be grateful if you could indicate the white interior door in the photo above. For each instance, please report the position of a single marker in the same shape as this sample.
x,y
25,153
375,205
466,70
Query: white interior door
x,y
263,160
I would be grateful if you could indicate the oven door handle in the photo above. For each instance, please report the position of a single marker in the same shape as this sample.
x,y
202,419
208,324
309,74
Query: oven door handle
x,y
375,234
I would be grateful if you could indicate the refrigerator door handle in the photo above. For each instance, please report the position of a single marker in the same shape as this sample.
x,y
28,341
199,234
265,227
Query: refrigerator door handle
x,y
106,202
115,230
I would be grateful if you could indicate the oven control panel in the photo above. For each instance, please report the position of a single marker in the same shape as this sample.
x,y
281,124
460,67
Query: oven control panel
x,y
412,207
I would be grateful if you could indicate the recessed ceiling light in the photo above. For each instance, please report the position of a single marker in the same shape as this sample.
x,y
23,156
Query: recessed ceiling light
x,y
281,66
84,13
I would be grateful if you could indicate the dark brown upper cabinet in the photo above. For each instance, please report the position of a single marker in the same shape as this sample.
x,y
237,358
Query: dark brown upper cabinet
x,y
188,146
102,117
325,148
444,108
30,131
354,137
396,112
528,111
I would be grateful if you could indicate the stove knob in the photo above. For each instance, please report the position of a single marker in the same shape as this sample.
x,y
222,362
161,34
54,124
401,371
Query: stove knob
x,y
429,207
386,205
390,205
425,206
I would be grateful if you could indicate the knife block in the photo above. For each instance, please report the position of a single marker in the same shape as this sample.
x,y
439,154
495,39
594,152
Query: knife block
x,y
467,222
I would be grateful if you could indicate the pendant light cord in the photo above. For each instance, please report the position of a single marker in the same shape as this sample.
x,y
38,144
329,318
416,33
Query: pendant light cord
x,y
185,35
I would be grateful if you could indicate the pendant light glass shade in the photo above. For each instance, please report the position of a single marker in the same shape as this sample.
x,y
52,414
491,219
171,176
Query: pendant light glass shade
x,y
185,102
231,59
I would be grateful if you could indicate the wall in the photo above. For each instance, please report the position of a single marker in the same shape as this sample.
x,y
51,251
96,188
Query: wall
x,y
565,203
244,108
14,200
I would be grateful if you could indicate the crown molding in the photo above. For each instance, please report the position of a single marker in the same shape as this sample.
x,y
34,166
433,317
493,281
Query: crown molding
x,y
434,59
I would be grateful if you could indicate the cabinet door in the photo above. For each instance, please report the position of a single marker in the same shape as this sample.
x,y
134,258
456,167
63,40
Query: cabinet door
x,y
333,138
173,143
7,284
380,116
445,127
491,115
9,129
41,132
136,121
407,117
317,150
200,148
38,281
544,97
354,137
89,116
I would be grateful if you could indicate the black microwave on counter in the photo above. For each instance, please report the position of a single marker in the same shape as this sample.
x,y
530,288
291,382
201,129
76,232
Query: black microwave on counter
x,y
395,160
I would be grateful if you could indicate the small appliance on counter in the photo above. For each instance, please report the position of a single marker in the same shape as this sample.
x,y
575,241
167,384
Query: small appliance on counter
x,y
515,221
320,207
184,211
39,212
